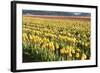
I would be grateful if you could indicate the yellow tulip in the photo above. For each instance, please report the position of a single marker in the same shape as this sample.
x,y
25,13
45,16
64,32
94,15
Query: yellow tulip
x,y
77,55
83,57
51,46
57,46
66,51
69,54
62,51
78,50
73,51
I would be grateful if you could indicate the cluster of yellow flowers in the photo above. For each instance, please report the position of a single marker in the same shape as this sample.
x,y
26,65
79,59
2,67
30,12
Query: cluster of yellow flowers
x,y
62,36
68,39
68,51
35,39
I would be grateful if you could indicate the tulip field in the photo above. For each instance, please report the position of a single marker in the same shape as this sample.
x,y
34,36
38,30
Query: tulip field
x,y
55,39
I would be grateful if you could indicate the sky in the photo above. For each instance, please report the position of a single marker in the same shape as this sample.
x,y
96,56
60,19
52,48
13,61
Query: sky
x,y
54,13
